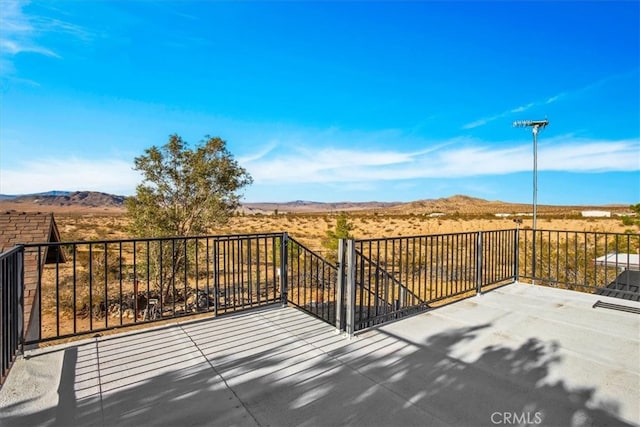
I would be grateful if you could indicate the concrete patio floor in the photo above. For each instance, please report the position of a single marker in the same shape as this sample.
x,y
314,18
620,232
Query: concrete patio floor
x,y
519,355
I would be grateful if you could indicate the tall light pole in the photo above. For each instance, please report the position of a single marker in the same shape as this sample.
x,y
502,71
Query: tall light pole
x,y
535,125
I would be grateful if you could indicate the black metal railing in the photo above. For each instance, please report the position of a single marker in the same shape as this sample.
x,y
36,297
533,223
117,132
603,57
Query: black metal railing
x,y
397,276
311,282
594,262
11,310
103,285
86,287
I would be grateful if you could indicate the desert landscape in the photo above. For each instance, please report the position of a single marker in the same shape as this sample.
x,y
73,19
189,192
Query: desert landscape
x,y
98,216
91,217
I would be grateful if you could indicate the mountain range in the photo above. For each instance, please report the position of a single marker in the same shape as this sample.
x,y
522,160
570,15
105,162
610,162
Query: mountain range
x,y
92,201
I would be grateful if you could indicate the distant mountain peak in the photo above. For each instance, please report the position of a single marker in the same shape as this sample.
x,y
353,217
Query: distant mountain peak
x,y
68,198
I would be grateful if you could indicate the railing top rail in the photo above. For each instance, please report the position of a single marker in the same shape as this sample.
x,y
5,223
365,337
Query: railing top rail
x,y
385,273
310,251
11,251
155,239
381,239
610,233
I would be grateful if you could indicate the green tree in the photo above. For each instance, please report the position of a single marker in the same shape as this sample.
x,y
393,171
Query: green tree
x,y
633,220
185,192
342,230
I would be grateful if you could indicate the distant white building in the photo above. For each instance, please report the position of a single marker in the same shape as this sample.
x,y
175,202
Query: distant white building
x,y
502,215
436,214
596,214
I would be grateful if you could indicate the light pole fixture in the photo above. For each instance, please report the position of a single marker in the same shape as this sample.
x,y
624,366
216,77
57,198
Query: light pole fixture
x,y
535,125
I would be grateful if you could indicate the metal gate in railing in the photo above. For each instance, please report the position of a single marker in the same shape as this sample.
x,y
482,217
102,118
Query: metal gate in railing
x,y
390,278
311,281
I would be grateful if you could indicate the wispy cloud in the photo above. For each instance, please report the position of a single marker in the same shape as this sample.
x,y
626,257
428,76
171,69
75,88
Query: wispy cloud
x,y
549,100
472,158
519,109
308,165
21,33
453,160
18,31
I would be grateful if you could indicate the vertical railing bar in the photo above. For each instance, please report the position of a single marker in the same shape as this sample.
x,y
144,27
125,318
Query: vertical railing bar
x,y
558,259
431,269
479,264
374,275
466,257
225,276
304,283
416,273
105,283
161,276
216,276
295,276
240,273
472,254
120,279
41,266
185,267
393,272
440,268
516,261
230,272
234,273
284,269
266,267
258,268
90,291
456,263
249,271
568,277
273,267
148,275
584,276
135,282
376,288
422,274
240,266
314,277
196,272
74,284
207,282
174,272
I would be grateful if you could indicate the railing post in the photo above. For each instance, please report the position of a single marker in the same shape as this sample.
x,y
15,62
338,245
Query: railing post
x,y
479,264
516,262
21,298
533,255
340,285
284,268
350,288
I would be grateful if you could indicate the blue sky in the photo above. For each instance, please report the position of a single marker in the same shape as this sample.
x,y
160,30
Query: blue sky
x,y
328,101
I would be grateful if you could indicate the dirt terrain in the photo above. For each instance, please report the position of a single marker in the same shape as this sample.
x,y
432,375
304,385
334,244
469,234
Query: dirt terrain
x,y
99,216
82,217
91,202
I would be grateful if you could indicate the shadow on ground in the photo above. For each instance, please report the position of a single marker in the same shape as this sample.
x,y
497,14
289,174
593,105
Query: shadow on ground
x,y
229,375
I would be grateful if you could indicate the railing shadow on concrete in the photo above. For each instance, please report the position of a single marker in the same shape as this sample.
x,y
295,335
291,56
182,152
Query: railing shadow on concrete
x,y
355,384
104,285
